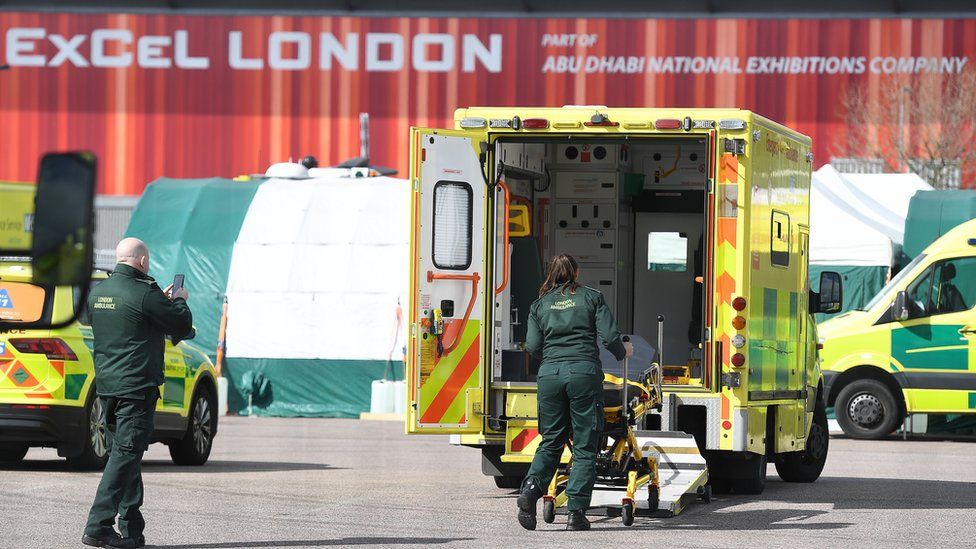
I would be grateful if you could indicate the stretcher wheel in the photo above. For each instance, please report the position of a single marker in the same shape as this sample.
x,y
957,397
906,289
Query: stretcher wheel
x,y
653,498
627,513
705,493
549,511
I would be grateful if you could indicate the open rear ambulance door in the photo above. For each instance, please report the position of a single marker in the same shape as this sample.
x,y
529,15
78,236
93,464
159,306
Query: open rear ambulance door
x,y
444,367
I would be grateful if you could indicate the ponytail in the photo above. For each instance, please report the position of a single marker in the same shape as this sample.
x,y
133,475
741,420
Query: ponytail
x,y
562,272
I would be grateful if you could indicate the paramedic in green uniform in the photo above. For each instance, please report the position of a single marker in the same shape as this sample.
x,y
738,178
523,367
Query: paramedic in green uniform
x,y
130,316
562,330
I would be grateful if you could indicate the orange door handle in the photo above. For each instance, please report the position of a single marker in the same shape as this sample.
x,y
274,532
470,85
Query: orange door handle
x,y
505,258
474,278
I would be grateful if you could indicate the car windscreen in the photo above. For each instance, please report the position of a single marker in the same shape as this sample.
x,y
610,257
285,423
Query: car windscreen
x,y
24,302
894,282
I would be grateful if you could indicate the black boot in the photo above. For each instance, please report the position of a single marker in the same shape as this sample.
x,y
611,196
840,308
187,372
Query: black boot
x,y
578,521
112,539
531,492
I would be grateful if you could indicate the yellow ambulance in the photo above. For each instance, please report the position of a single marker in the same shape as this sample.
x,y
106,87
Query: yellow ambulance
x,y
47,373
700,216
912,349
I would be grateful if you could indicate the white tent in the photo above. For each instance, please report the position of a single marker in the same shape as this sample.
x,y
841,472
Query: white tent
x,y
317,283
855,218
856,223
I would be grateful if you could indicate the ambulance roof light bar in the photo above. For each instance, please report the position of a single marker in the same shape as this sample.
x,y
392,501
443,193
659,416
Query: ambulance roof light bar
x,y
473,123
732,124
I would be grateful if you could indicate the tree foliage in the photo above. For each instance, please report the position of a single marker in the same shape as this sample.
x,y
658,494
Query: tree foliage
x,y
925,124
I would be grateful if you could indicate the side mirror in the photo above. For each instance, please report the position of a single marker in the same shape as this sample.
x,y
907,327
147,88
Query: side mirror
x,y
899,307
831,293
61,251
50,225
519,223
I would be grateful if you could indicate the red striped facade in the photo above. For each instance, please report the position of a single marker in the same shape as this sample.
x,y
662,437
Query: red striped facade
x,y
144,123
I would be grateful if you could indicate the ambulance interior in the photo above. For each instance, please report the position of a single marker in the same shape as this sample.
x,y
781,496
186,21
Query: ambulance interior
x,y
632,213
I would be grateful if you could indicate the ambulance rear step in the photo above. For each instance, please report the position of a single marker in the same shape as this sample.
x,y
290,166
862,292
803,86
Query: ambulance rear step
x,y
683,476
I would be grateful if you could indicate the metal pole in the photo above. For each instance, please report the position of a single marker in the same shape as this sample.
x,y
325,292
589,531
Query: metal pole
x,y
364,135
901,129
660,355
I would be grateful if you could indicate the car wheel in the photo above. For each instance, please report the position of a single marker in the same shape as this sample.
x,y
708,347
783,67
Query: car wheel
x,y
755,482
13,453
201,426
94,449
807,465
867,409
719,485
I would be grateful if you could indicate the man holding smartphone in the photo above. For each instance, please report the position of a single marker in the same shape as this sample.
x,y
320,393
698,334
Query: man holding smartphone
x,y
130,317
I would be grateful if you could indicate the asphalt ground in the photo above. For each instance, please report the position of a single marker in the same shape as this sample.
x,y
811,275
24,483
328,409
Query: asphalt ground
x,y
332,483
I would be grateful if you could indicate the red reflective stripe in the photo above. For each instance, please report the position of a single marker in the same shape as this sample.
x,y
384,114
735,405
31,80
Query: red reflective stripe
x,y
523,439
455,382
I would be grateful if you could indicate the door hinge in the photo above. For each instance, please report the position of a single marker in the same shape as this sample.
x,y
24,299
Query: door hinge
x,y
735,146
416,184
413,329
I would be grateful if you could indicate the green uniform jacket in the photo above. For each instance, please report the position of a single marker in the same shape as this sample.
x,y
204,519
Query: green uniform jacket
x,y
130,317
563,328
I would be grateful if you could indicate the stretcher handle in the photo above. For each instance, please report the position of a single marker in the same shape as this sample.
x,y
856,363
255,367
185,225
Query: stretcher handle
x,y
474,278
623,386
506,237
660,355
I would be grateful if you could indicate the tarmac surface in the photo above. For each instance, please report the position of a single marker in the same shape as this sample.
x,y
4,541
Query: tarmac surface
x,y
348,483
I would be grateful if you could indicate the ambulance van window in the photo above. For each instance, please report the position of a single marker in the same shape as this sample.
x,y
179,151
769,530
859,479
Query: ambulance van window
x,y
954,286
919,295
452,225
779,251
667,252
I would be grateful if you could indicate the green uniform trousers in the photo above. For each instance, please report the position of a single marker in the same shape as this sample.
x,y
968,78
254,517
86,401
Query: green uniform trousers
x,y
570,407
128,428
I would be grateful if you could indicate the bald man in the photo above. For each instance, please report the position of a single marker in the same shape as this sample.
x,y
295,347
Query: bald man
x,y
130,317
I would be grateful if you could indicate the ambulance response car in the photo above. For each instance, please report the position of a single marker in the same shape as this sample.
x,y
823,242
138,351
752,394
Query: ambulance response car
x,y
697,215
47,389
912,349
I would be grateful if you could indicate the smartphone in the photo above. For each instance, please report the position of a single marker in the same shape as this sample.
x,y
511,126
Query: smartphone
x,y
177,282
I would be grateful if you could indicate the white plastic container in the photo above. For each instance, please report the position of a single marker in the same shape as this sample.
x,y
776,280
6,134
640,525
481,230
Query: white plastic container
x,y
222,396
400,397
381,397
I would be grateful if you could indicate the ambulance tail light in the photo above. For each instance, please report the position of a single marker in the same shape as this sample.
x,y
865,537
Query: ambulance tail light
x,y
738,360
535,123
739,322
53,349
667,124
739,303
